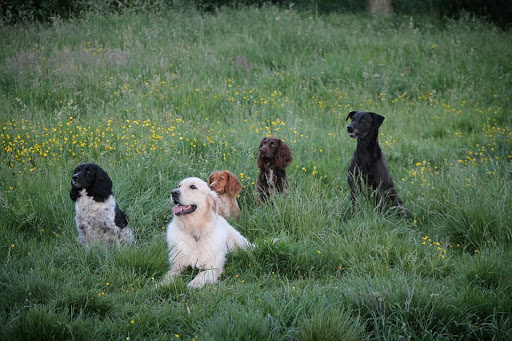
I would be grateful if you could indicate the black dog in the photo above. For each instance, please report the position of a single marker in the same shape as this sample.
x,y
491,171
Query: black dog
x,y
273,158
368,161
98,218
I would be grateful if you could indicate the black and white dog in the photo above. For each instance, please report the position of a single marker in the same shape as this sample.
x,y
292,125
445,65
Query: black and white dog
x,y
98,219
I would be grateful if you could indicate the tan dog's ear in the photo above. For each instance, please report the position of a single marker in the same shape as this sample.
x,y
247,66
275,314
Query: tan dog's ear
x,y
213,201
233,185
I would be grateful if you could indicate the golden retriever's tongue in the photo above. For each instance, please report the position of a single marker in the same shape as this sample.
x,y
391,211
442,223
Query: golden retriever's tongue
x,y
179,208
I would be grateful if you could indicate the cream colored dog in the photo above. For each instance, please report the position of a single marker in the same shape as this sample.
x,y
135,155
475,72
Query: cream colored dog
x,y
197,236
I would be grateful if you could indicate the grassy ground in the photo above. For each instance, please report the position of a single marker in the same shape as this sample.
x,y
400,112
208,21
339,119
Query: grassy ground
x,y
156,97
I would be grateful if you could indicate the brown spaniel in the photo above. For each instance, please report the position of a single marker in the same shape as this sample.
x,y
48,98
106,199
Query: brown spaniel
x,y
227,186
273,157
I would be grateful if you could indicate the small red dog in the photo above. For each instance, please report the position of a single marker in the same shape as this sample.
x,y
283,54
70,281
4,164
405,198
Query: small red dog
x,y
227,186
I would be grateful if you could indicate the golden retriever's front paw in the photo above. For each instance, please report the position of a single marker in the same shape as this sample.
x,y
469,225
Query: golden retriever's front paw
x,y
196,284
204,277
168,278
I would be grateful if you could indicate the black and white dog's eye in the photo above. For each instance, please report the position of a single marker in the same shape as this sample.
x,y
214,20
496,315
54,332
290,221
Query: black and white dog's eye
x,y
193,186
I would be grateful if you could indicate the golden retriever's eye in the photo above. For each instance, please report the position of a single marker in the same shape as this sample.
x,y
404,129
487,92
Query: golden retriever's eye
x,y
193,186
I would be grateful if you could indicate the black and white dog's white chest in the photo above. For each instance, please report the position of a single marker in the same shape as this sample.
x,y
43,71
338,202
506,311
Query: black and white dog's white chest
x,y
93,213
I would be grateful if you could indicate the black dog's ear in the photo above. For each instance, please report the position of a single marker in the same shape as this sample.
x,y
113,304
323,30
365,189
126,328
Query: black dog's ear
x,y
377,120
102,186
351,115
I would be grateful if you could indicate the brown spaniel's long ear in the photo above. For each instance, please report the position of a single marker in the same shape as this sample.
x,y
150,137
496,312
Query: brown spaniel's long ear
x,y
283,156
233,185
261,164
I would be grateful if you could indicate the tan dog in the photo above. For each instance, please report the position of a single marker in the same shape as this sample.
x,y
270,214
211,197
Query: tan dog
x,y
197,236
227,186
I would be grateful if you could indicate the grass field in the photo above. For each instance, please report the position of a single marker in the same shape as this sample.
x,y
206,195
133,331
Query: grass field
x,y
154,97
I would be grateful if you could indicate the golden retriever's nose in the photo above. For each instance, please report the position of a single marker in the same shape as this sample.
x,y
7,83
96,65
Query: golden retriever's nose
x,y
175,193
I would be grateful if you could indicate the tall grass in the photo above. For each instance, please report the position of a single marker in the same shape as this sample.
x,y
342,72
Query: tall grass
x,y
158,96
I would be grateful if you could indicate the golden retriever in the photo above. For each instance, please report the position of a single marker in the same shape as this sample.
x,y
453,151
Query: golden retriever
x,y
197,236
227,186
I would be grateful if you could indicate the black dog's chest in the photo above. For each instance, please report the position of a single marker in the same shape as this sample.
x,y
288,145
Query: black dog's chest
x,y
271,178
367,168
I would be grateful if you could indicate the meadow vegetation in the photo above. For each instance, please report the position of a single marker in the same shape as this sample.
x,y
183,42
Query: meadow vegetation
x,y
157,96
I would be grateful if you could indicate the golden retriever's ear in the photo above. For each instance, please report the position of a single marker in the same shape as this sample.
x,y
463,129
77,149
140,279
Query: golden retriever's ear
x,y
233,185
213,201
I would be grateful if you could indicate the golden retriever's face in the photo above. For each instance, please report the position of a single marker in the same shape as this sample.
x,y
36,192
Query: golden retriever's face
x,y
193,194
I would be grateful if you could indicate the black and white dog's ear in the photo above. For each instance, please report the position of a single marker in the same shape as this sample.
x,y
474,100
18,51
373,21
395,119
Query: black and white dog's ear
x,y
377,120
351,115
102,186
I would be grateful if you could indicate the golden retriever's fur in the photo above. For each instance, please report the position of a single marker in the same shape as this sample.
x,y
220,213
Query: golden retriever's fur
x,y
227,186
197,236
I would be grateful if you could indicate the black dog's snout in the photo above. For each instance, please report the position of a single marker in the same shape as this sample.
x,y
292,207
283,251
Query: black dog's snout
x,y
350,129
75,177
